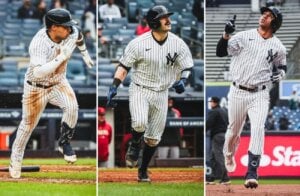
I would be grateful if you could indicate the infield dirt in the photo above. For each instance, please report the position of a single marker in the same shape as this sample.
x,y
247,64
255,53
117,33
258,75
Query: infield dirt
x,y
262,190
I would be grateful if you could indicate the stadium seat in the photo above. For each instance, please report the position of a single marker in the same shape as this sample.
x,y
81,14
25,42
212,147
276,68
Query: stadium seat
x,y
132,11
130,32
113,26
131,25
75,70
198,78
122,21
105,74
105,81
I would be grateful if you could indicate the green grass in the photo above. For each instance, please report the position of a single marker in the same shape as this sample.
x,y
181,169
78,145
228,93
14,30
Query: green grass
x,y
145,189
82,175
46,189
52,161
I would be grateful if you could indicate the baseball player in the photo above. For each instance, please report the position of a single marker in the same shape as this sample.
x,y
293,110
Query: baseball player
x,y
258,60
156,58
45,81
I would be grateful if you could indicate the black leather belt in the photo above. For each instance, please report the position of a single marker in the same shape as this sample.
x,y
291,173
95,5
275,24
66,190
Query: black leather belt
x,y
255,89
38,85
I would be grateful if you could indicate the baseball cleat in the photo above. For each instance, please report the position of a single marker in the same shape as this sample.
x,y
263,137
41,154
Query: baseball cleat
x,y
14,172
251,183
69,154
132,156
210,183
230,163
143,176
225,182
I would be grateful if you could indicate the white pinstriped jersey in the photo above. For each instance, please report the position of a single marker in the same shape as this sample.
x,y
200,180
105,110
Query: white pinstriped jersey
x,y
253,57
156,66
43,50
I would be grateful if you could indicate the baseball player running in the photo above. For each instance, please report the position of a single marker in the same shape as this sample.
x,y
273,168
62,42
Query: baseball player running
x,y
157,58
258,60
45,81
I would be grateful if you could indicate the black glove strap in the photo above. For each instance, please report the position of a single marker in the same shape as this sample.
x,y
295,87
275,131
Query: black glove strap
x,y
116,83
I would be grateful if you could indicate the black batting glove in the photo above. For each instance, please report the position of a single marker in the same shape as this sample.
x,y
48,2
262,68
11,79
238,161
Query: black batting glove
x,y
179,86
111,93
230,26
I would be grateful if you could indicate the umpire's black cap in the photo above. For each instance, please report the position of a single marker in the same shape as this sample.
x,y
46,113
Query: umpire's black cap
x,y
59,16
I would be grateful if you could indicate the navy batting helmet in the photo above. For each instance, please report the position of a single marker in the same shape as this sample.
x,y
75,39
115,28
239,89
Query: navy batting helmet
x,y
59,16
154,14
277,21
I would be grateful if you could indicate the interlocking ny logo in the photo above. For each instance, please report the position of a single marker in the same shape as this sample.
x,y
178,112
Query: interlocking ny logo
x,y
171,59
270,56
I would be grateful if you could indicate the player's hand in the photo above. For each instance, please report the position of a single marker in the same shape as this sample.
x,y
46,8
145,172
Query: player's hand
x,y
277,76
87,59
179,86
66,49
111,93
230,26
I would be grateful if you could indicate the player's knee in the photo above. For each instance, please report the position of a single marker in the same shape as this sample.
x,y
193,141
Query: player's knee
x,y
151,142
139,126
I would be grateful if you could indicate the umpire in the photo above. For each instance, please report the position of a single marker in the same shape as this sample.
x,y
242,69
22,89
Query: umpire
x,y
217,121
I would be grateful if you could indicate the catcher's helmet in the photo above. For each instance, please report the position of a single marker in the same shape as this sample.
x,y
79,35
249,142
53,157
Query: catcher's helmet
x,y
154,14
277,21
59,16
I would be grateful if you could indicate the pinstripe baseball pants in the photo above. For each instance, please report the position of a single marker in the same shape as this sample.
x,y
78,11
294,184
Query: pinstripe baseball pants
x,y
34,102
148,111
241,103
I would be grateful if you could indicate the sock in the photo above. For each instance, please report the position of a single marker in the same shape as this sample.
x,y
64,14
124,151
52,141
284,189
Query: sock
x,y
148,152
136,138
253,162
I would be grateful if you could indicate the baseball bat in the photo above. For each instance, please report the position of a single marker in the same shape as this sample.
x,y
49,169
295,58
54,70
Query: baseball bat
x,y
33,168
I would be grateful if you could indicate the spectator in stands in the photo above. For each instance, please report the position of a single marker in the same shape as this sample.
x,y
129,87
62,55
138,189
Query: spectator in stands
x,y
109,11
142,27
283,123
171,138
270,122
103,43
198,10
294,101
59,4
270,3
212,3
217,122
104,138
89,18
41,9
27,10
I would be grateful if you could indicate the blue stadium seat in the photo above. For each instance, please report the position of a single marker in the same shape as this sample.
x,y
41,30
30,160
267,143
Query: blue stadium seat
x,y
130,32
132,11
131,25
105,81
76,70
198,62
122,21
198,78
106,67
9,81
113,26
10,65
105,74
104,61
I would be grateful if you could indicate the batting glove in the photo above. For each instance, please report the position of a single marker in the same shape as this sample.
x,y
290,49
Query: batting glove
x,y
111,93
87,59
179,86
230,26
277,76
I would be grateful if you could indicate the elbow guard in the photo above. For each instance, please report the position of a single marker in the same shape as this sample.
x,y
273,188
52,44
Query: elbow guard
x,y
222,47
